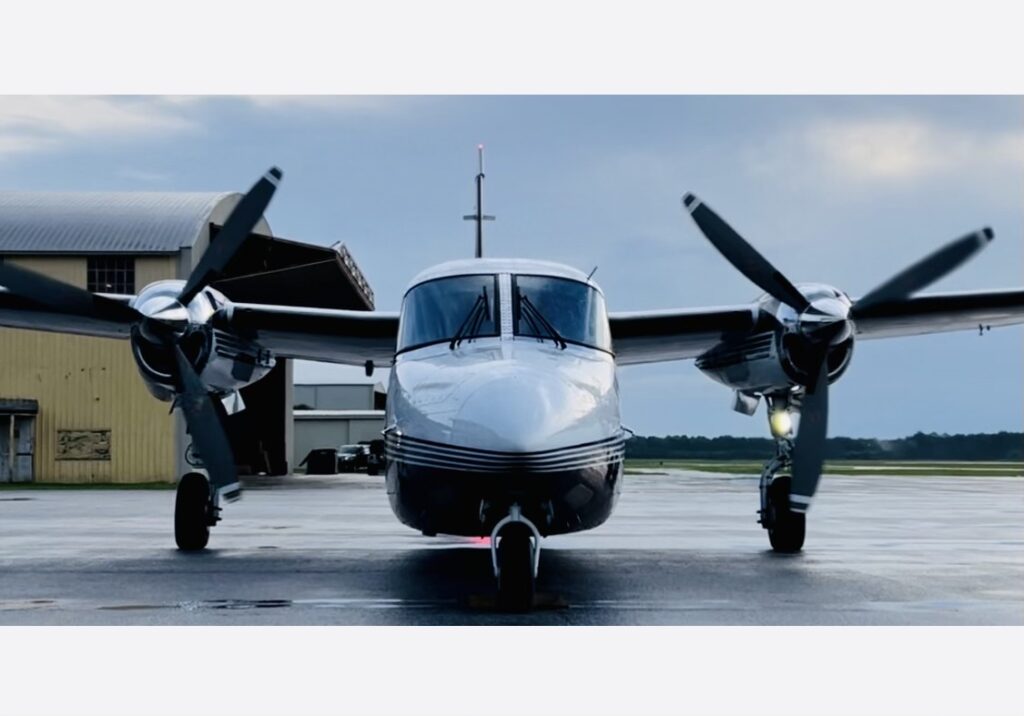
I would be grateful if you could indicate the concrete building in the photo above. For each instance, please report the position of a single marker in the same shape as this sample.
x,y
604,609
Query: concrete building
x,y
330,415
74,409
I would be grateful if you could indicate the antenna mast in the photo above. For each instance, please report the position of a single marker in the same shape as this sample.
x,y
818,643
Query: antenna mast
x,y
479,217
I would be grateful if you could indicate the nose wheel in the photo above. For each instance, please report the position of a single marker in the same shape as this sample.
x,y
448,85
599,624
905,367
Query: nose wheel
x,y
194,512
515,553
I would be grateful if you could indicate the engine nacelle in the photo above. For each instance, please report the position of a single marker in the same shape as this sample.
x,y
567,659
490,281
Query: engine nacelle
x,y
770,361
224,362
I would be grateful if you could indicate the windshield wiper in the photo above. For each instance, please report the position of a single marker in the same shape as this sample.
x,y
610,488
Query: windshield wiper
x,y
533,315
471,324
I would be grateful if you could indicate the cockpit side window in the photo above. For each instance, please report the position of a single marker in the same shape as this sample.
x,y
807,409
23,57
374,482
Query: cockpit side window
x,y
437,310
574,309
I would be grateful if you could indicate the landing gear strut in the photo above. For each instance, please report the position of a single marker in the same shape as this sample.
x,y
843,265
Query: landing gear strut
x,y
515,555
195,511
786,528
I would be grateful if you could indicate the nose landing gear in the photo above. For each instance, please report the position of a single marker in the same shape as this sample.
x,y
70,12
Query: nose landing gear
x,y
786,528
515,555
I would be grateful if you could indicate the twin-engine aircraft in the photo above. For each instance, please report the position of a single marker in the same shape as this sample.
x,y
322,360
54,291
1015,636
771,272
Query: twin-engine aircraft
x,y
503,405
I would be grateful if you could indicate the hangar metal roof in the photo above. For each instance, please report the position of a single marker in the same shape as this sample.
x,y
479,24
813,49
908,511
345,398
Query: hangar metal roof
x,y
105,222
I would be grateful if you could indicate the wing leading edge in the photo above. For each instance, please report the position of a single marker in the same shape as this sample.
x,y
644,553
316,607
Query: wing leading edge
x,y
322,334
676,334
941,312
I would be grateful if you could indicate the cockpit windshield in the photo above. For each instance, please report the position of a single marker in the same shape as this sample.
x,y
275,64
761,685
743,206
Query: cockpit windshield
x,y
563,310
450,309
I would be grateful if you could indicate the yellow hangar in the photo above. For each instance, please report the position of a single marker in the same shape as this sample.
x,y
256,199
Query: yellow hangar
x,y
73,409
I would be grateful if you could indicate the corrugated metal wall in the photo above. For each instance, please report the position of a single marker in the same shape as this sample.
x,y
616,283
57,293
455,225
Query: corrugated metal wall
x,y
86,383
334,397
313,433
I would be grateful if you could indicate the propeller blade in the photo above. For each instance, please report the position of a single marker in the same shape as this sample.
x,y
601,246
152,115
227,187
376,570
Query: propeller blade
x,y
236,230
809,446
207,430
742,255
928,270
64,298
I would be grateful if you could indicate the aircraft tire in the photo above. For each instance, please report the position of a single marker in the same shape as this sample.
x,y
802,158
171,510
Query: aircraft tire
x,y
515,562
787,529
192,513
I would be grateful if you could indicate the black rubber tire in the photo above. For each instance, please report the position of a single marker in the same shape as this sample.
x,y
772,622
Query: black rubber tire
x,y
788,529
515,565
192,512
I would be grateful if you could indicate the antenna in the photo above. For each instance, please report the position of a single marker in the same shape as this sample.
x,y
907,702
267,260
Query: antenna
x,y
479,217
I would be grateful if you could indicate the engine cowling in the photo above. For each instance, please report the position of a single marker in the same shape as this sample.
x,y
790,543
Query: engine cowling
x,y
784,354
224,362
770,361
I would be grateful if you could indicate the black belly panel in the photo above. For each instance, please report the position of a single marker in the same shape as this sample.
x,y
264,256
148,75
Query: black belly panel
x,y
436,500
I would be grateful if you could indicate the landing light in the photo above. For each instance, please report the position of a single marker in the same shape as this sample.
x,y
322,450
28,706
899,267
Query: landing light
x,y
781,423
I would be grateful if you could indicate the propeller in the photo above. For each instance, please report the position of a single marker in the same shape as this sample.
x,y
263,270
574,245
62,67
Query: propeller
x,y
823,323
742,255
236,230
809,446
65,298
164,321
204,425
926,271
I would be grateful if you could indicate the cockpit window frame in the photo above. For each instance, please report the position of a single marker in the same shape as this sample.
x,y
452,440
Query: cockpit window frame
x,y
516,309
495,308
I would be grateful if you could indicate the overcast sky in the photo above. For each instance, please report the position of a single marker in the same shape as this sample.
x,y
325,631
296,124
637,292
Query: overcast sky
x,y
842,190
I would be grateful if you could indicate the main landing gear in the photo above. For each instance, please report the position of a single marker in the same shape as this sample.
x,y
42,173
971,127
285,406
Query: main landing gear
x,y
786,527
515,555
195,511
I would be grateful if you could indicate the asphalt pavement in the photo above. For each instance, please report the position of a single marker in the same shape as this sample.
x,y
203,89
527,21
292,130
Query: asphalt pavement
x,y
681,548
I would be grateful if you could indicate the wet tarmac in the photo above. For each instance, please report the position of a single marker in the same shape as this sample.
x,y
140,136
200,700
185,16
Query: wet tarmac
x,y
682,548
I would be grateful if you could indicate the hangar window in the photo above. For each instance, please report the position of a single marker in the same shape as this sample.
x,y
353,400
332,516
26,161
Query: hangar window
x,y
110,274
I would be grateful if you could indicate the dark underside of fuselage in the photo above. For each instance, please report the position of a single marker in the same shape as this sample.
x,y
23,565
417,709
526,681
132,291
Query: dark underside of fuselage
x,y
436,500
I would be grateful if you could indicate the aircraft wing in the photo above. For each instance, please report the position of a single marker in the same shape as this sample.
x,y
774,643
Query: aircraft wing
x,y
675,334
937,313
655,336
323,334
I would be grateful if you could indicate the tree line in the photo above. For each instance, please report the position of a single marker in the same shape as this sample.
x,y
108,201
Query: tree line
x,y
920,446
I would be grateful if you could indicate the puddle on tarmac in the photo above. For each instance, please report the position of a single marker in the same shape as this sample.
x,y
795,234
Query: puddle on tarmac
x,y
15,604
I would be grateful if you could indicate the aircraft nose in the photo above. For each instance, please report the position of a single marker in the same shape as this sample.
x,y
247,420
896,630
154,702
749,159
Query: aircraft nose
x,y
531,411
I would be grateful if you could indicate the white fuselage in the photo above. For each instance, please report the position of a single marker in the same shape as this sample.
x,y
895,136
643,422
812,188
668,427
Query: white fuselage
x,y
504,416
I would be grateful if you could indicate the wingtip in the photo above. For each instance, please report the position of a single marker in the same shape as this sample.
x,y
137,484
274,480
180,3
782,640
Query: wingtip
x,y
988,233
688,199
276,173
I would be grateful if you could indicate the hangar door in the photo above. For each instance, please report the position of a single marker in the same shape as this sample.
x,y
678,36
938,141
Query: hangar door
x,y
17,440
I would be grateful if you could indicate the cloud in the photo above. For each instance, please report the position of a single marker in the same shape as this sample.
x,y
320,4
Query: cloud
x,y
143,175
49,123
46,123
893,149
325,103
